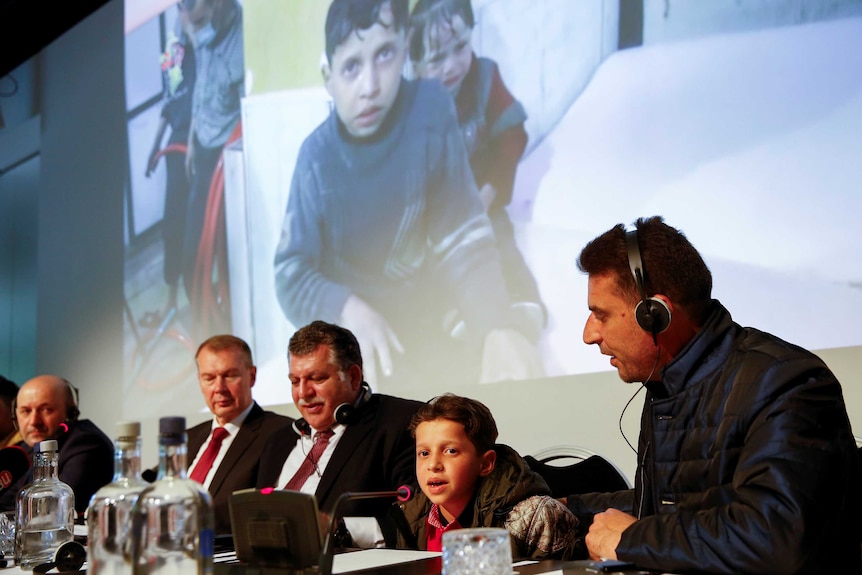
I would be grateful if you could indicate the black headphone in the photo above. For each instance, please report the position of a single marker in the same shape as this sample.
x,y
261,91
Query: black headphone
x,y
343,413
651,313
69,557
72,411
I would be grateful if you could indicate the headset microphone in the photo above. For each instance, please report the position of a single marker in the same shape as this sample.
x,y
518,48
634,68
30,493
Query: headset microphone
x,y
343,413
402,494
301,427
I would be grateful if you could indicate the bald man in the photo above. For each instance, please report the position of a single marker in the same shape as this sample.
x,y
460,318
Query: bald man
x,y
46,408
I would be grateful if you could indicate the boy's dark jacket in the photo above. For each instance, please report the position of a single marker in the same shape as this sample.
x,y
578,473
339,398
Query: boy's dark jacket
x,y
511,496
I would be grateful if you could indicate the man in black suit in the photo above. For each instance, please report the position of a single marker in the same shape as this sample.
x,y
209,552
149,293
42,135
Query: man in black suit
x,y
226,374
349,439
47,408
9,434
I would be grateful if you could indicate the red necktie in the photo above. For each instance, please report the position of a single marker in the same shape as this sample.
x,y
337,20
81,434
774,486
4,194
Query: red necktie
x,y
205,463
309,464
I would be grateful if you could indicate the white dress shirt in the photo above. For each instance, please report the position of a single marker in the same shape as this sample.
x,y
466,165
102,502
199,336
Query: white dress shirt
x,y
365,531
232,427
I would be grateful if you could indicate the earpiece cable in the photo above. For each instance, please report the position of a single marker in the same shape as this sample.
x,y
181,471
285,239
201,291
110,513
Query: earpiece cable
x,y
643,384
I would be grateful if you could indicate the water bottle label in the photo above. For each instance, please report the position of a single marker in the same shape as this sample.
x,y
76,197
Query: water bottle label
x,y
207,542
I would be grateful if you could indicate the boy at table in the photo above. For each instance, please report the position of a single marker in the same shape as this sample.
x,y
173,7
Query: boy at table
x,y
467,480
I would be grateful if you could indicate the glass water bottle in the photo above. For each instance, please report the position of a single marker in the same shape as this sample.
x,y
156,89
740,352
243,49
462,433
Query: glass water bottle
x,y
173,520
45,517
109,516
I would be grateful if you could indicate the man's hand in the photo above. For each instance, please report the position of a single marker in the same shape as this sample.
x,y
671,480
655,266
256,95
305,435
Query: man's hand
x,y
157,145
605,533
151,161
508,355
376,339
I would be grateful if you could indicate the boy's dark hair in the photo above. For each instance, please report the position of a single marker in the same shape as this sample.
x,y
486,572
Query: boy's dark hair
x,y
479,424
8,390
348,16
429,14
343,348
672,266
226,341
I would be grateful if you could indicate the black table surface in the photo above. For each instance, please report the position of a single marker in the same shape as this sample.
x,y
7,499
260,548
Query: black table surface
x,y
434,565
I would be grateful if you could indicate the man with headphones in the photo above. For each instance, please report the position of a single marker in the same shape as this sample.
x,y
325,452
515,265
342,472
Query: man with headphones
x,y
746,459
46,408
349,439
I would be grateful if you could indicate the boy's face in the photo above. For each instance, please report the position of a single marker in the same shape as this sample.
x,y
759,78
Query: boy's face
x,y
365,73
448,466
448,53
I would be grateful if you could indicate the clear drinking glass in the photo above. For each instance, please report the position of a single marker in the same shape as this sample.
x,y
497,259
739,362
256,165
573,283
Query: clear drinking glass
x,y
7,534
477,551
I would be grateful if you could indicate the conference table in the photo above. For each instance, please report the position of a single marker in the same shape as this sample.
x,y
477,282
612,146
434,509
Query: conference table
x,y
397,562
392,562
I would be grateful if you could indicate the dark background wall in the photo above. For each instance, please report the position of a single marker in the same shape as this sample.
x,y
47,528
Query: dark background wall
x,y
27,26
62,200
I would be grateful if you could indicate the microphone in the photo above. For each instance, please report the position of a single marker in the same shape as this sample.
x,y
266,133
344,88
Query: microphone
x,y
402,494
14,464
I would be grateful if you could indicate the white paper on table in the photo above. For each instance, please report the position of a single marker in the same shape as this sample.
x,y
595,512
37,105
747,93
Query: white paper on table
x,y
372,558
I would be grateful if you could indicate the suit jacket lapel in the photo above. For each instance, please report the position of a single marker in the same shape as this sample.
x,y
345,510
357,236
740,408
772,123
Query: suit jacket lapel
x,y
196,438
347,450
238,446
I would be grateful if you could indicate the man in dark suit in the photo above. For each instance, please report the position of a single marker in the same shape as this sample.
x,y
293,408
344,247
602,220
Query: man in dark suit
x,y
47,408
348,439
240,427
9,434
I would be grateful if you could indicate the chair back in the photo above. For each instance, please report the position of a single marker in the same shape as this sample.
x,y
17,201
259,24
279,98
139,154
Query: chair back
x,y
586,472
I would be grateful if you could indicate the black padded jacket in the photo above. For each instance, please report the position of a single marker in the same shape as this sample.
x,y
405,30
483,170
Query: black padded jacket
x,y
746,462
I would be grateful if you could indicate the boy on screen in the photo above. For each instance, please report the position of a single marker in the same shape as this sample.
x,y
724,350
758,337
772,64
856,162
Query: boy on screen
x,y
466,480
384,231
492,125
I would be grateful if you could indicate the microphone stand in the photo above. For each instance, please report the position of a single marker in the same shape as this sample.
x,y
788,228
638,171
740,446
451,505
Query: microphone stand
x,y
324,564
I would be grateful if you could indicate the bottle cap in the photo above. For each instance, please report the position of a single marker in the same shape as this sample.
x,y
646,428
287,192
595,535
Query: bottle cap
x,y
48,445
172,430
128,433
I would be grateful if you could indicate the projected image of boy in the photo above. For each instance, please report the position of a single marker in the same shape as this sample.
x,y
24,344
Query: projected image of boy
x,y
466,479
492,125
384,231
